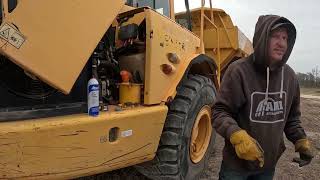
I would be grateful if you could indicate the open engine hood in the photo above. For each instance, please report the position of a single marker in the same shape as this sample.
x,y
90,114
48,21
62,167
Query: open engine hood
x,y
53,39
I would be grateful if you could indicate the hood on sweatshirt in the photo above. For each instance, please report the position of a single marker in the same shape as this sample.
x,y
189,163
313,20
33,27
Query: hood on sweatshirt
x,y
264,26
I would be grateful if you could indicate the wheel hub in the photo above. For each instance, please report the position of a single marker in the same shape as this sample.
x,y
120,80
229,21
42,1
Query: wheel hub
x,y
201,134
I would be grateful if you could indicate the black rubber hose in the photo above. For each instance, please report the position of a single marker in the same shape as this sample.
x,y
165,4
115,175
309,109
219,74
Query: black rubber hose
x,y
188,14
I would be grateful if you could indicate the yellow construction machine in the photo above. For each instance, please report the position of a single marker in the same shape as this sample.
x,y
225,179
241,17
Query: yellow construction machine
x,y
157,84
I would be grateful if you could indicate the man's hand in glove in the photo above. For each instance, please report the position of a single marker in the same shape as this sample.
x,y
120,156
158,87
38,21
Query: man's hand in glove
x,y
246,147
304,148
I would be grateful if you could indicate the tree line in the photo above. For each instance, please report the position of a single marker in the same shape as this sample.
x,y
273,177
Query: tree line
x,y
309,79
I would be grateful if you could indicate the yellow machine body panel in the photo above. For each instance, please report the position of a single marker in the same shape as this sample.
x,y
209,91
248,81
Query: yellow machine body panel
x,y
78,145
51,41
165,36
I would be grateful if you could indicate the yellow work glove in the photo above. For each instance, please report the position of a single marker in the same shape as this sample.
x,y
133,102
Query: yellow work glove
x,y
304,148
246,147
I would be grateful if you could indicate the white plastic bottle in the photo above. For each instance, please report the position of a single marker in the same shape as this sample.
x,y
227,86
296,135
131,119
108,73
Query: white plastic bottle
x,y
93,97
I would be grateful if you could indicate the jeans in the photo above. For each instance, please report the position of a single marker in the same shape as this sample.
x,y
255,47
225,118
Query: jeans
x,y
228,174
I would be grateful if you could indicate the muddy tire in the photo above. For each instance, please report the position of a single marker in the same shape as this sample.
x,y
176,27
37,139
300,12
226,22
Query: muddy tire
x,y
187,139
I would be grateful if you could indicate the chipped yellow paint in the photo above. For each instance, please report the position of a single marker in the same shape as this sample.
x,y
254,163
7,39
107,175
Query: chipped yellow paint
x,y
126,8
78,145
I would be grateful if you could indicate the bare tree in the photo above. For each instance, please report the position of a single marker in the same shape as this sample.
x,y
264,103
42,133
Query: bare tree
x,y
315,73
310,79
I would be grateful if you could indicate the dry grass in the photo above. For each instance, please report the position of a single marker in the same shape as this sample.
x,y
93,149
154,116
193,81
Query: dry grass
x,y
310,91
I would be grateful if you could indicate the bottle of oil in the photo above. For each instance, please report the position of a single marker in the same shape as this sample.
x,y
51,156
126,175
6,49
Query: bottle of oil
x,y
93,97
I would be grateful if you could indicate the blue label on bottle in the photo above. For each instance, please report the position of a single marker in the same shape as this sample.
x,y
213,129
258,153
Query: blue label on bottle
x,y
94,87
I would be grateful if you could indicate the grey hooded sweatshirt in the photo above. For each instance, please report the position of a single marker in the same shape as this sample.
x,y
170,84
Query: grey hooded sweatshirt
x,y
260,99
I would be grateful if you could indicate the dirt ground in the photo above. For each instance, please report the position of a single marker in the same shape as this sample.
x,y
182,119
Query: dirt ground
x,y
285,170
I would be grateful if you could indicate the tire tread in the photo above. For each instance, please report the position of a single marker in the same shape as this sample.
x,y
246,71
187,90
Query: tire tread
x,y
166,164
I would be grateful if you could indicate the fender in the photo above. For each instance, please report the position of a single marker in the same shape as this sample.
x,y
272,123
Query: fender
x,y
200,64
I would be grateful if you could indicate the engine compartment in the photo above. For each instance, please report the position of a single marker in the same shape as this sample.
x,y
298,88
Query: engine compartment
x,y
122,48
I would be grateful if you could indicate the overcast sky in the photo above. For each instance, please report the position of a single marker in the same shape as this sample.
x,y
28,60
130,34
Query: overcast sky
x,y
303,13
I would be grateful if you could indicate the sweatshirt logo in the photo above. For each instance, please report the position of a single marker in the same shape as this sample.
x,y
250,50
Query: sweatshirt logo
x,y
269,107
267,110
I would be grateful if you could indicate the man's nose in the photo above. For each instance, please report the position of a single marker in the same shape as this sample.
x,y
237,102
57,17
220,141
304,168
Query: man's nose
x,y
283,43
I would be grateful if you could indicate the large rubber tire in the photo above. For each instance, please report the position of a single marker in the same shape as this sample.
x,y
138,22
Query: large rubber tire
x,y
172,160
